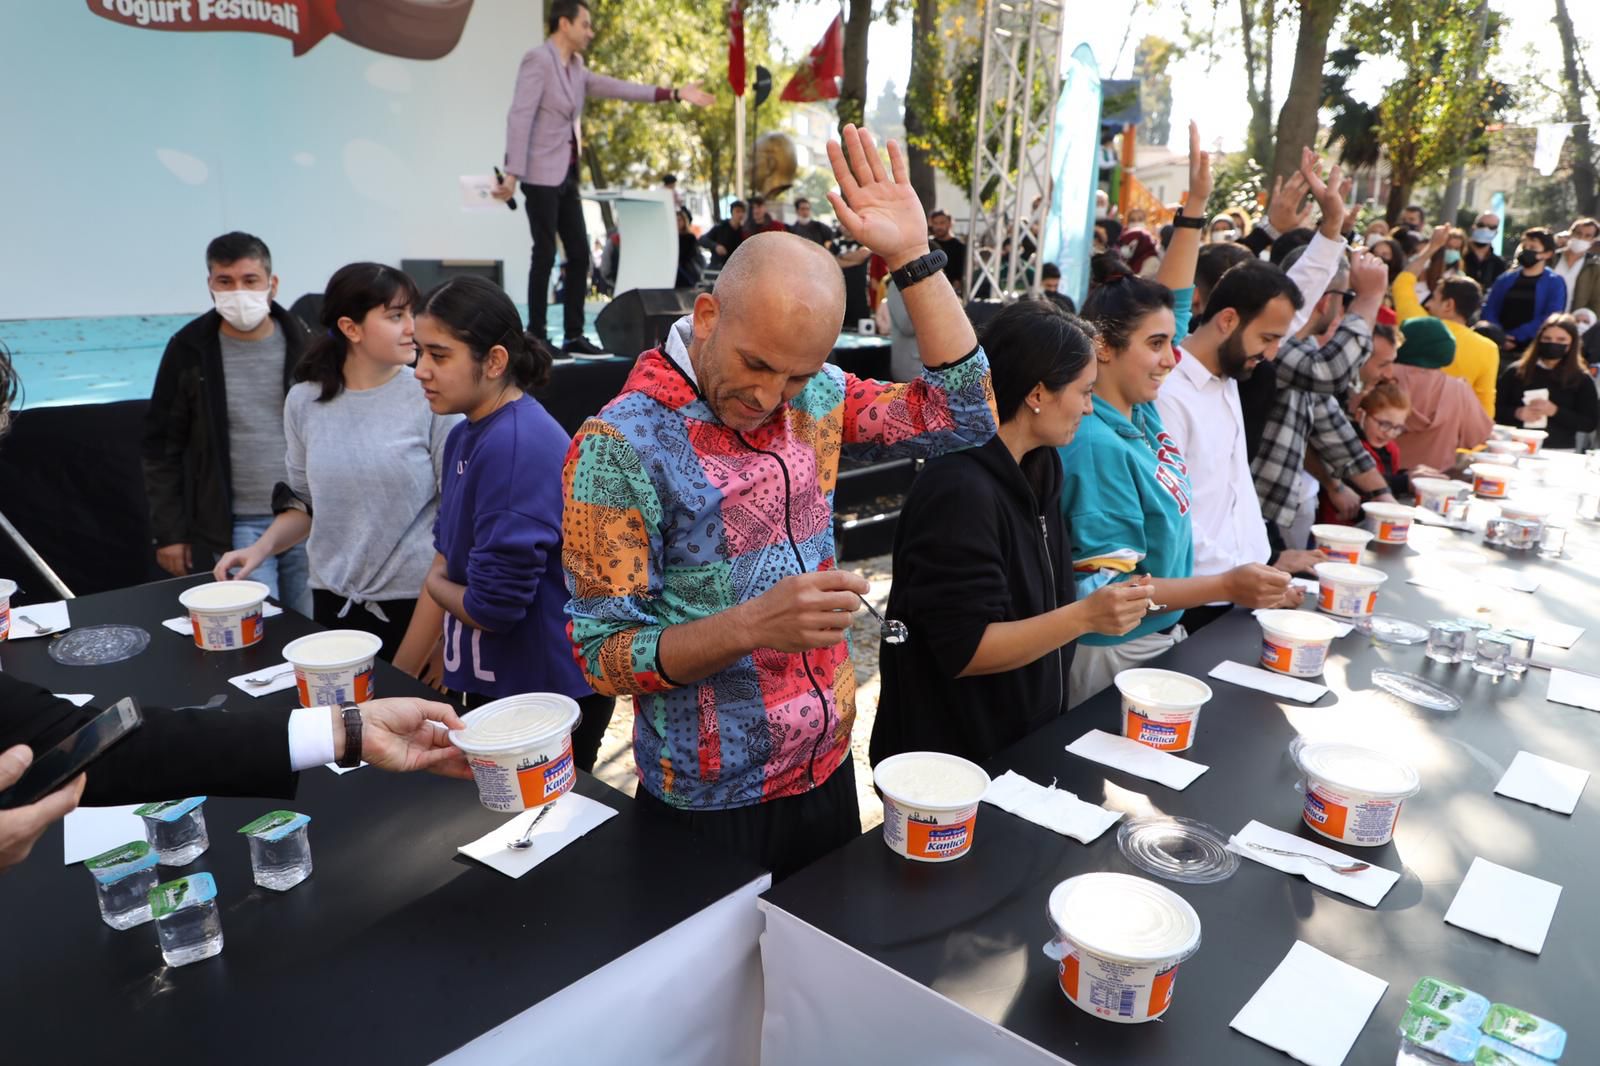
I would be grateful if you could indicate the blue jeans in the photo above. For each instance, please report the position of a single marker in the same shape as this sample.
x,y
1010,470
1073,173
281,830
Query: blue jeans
x,y
287,575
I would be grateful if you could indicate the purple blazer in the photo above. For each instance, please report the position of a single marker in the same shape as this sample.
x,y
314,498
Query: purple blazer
x,y
547,112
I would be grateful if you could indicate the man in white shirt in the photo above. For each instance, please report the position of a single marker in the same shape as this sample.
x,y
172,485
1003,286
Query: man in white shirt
x,y
1575,257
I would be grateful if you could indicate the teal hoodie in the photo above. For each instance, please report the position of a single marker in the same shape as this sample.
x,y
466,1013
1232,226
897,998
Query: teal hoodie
x,y
1127,488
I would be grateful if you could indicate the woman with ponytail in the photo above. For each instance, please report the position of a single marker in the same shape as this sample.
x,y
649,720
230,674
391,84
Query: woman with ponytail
x,y
363,462
497,572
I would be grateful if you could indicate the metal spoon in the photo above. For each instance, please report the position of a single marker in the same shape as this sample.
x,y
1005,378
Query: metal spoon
x,y
1351,867
891,630
38,630
525,841
267,678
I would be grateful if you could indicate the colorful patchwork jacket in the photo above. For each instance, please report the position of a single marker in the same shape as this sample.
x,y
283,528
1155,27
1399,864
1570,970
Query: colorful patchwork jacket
x,y
671,516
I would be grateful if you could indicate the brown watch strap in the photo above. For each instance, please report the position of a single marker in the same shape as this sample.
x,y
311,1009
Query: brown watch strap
x,y
352,735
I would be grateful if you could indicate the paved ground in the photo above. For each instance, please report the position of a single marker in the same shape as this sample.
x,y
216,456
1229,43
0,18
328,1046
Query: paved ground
x,y
615,764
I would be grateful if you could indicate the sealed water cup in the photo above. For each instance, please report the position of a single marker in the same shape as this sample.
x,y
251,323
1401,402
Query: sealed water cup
x,y
333,667
1353,794
1390,522
1342,543
1161,708
1347,590
1525,511
1434,493
1119,941
226,615
1530,439
520,749
930,804
1295,642
1491,480
123,878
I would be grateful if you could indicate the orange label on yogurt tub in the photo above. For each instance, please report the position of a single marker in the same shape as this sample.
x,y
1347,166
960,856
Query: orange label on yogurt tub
x,y
1489,486
548,780
1392,532
1276,656
1111,998
1343,555
944,840
1167,736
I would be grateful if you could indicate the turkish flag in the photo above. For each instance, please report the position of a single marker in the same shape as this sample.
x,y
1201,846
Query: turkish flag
x,y
818,77
736,77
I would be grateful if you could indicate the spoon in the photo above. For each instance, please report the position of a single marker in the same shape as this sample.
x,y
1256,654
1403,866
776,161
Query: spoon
x,y
267,678
525,841
891,630
38,630
1351,867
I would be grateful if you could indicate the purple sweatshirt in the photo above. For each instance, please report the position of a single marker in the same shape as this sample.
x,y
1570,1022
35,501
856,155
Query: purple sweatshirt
x,y
499,530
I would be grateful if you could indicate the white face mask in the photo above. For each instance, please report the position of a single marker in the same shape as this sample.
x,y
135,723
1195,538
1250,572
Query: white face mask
x,y
243,309
1577,246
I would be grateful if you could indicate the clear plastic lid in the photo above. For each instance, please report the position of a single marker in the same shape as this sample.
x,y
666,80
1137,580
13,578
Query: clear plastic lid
x,y
1177,849
516,722
98,645
1416,690
1124,917
1392,630
1354,767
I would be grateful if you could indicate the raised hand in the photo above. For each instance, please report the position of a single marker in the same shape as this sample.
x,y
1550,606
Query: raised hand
x,y
693,94
877,207
1326,193
1200,183
1288,209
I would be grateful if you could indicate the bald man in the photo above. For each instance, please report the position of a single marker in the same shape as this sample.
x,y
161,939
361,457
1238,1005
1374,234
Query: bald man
x,y
698,529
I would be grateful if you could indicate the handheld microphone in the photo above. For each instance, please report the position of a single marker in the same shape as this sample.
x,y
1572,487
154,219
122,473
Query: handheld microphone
x,y
511,204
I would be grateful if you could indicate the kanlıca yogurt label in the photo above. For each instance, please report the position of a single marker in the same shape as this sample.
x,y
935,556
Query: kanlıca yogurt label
x,y
1122,939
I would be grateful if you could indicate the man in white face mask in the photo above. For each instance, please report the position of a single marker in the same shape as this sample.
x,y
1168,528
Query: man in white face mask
x,y
213,442
1579,265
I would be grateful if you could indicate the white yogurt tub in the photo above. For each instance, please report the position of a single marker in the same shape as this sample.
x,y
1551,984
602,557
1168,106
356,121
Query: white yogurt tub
x,y
1343,543
1347,590
1295,642
1505,447
520,749
8,589
1353,794
1524,511
333,667
1530,439
226,615
1434,493
1161,708
1119,941
930,804
1390,522
1491,480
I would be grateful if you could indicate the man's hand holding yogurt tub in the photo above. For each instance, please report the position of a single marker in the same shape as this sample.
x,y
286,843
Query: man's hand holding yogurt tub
x,y
401,734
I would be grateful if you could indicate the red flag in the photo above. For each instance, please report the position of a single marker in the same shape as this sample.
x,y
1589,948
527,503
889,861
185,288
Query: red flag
x,y
818,77
736,77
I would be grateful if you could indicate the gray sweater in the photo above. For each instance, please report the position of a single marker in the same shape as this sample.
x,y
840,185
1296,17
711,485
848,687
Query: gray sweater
x,y
368,464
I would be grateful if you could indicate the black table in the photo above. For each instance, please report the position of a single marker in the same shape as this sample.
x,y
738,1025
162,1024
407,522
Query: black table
x,y
945,960
396,950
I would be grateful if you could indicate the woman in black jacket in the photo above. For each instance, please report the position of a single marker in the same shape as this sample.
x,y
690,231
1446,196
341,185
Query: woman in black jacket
x,y
981,575
1554,361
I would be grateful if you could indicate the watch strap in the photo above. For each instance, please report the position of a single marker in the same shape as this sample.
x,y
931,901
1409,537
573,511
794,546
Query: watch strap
x,y
920,269
352,736
1182,221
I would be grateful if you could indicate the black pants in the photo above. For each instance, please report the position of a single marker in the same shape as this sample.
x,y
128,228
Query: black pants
x,y
325,607
557,210
595,709
782,835
1197,618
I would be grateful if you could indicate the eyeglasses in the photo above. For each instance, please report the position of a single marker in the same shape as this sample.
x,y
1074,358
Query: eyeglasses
x,y
1392,428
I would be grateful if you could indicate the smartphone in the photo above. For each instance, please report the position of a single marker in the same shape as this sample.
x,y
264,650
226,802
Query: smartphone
x,y
68,759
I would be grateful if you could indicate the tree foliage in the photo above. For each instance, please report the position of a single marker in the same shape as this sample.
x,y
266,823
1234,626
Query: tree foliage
x,y
1150,62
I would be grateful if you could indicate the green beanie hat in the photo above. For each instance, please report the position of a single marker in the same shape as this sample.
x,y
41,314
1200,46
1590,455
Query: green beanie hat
x,y
1428,343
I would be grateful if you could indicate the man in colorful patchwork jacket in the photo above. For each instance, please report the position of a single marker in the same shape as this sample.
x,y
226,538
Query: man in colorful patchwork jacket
x,y
698,527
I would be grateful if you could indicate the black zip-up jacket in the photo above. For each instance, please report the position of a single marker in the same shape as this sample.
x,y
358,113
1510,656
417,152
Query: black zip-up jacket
x,y
979,540
186,462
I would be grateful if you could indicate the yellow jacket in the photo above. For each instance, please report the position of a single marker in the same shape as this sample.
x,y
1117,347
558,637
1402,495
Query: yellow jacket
x,y
1477,360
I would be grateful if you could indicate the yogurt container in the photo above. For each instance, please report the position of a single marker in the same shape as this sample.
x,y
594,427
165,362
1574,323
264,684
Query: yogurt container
x,y
1343,543
520,749
334,667
225,615
1530,439
1161,708
1119,941
1524,511
1434,493
8,589
1390,522
1353,794
1505,447
1295,642
930,804
1347,590
1491,480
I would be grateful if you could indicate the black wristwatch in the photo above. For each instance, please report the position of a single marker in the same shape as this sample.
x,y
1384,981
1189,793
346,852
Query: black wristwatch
x,y
920,269
1183,221
352,736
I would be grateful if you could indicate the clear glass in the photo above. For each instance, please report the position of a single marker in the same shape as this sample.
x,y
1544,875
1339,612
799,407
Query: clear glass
x,y
1455,507
1589,506
191,933
1591,462
1469,643
1521,654
181,841
1554,543
1524,535
1497,531
125,902
281,864
1445,642
1493,654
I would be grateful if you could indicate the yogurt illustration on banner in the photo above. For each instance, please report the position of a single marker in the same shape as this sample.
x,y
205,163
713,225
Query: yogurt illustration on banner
x,y
930,804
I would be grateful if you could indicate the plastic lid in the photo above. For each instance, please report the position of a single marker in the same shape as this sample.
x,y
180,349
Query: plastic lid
x,y
1351,766
333,649
1177,849
1162,688
1430,485
98,645
169,810
1350,574
1380,509
1301,625
932,780
188,891
1124,917
1392,630
109,867
515,723
1345,534
1416,690
1517,433
275,825
1494,470
224,595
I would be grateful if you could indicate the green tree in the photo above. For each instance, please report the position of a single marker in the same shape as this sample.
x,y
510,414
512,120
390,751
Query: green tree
x,y
1258,21
887,118
1353,125
1238,181
1150,62
1297,122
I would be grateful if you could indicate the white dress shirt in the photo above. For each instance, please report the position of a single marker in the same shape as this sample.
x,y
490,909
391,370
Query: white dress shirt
x,y
1569,273
310,737
1202,413
1311,273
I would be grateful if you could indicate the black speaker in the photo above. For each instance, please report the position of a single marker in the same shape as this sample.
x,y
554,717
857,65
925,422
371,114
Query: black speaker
x,y
638,320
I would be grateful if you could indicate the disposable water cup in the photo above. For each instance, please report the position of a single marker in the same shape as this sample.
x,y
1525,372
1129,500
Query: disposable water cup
x,y
520,749
8,588
1524,511
226,615
1353,794
1119,941
1347,590
333,667
1342,543
1491,480
1530,439
1434,494
1296,642
1390,522
930,804
1161,708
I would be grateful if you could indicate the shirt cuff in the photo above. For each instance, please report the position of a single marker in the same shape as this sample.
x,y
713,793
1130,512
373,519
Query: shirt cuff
x,y
663,95
310,738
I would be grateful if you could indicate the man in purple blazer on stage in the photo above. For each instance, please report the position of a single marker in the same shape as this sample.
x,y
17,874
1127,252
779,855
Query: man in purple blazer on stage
x,y
543,131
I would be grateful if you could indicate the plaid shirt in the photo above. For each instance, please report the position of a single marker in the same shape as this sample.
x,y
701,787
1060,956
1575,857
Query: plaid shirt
x,y
1306,410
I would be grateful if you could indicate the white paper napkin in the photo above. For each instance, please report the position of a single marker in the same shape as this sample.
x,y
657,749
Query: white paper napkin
x,y
1505,905
1545,782
573,817
278,684
88,831
1138,759
1557,634
1316,1029
1290,688
342,770
77,699
1367,886
1574,689
52,618
180,625
1310,584
1051,807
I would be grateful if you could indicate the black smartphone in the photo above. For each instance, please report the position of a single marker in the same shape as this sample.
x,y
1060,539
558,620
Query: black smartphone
x,y
69,758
